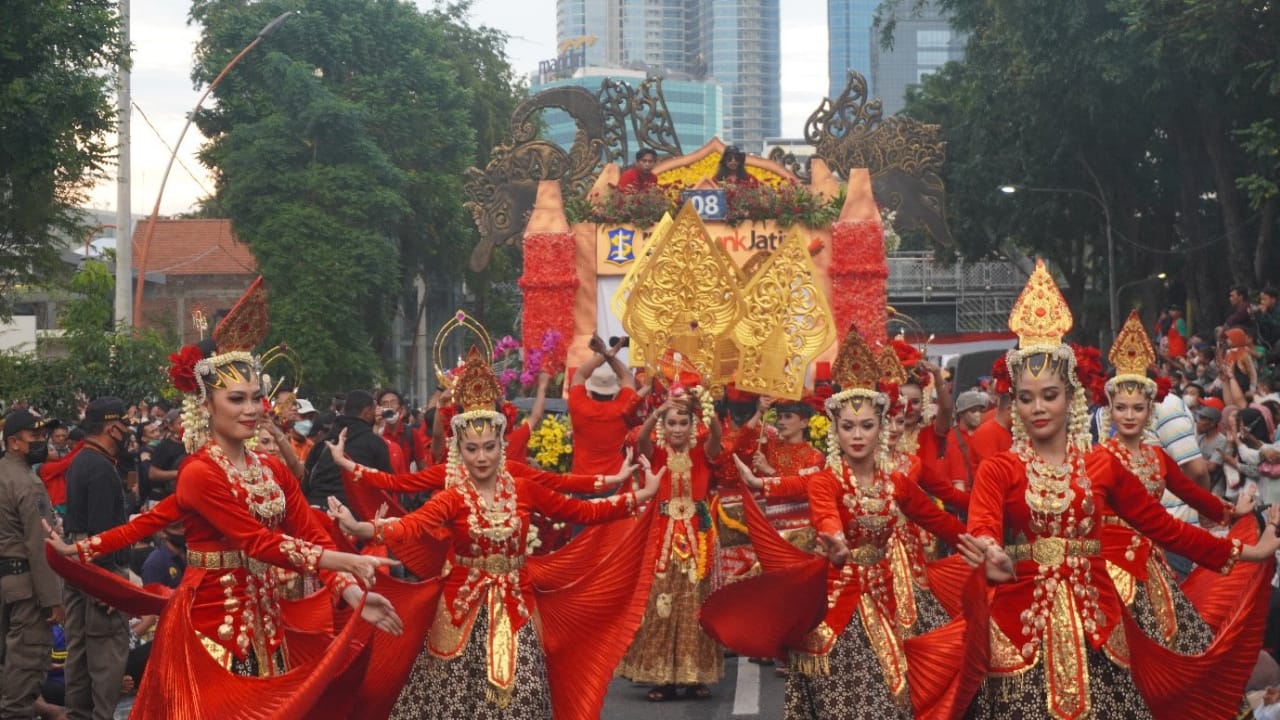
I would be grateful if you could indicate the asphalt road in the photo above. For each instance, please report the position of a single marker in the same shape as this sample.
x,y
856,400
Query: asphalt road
x,y
747,691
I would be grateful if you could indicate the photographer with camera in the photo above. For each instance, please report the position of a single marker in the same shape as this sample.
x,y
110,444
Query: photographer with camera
x,y
599,398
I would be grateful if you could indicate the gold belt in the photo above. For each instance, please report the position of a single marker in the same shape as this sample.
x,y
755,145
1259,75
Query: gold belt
x,y
1114,520
1053,550
215,559
866,554
493,564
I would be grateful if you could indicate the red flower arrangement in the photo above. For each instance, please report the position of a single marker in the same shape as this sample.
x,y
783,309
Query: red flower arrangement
x,y
1000,376
1163,385
1090,373
182,368
910,356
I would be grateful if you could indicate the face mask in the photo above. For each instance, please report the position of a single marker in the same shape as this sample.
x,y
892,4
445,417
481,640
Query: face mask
x,y
154,443
37,452
302,428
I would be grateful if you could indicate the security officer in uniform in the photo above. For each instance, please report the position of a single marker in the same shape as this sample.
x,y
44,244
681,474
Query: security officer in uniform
x,y
30,593
97,635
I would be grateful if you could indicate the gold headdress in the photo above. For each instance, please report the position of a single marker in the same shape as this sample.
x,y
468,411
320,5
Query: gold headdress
x,y
1040,319
1131,355
476,392
891,369
244,327
460,321
857,371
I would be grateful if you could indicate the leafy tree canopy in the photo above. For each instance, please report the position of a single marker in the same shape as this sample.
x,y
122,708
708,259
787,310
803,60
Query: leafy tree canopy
x,y
56,67
338,148
1160,111
96,360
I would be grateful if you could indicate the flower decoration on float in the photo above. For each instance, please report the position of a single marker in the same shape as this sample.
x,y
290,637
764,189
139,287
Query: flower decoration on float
x,y
819,429
552,445
196,369
1040,319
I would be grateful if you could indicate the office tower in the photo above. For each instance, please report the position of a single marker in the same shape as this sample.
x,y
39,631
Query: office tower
x,y
733,43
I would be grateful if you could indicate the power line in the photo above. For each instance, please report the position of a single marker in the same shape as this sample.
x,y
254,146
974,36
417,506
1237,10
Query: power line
x,y
168,147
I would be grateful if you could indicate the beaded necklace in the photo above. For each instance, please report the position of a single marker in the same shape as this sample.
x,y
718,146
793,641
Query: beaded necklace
x,y
872,507
1144,463
1051,493
263,496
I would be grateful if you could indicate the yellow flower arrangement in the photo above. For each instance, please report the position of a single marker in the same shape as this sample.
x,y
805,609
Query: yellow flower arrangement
x,y
819,427
551,444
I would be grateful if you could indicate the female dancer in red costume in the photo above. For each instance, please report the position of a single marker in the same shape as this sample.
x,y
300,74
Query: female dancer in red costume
x,y
670,650
245,519
484,655
1137,567
852,665
1056,639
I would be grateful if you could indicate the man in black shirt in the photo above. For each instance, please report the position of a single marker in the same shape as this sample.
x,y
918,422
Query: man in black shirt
x,y
323,478
166,458
97,636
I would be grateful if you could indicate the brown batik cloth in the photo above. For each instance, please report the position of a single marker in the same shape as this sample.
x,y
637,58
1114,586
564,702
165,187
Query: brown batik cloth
x,y
1112,694
670,648
1194,635
459,688
929,614
854,690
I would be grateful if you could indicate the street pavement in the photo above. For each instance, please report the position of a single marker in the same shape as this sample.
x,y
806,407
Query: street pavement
x,y
747,691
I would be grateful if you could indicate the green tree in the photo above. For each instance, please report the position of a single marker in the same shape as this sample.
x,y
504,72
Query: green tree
x,y
98,360
1099,99
56,66
338,149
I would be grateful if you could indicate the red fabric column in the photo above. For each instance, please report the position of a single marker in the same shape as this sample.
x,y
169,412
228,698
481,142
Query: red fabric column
x,y
549,284
858,267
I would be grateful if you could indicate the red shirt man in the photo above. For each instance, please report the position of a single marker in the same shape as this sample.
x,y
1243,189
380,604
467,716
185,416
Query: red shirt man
x,y
598,401
640,176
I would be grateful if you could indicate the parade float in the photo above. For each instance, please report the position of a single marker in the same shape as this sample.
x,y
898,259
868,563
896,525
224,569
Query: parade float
x,y
762,282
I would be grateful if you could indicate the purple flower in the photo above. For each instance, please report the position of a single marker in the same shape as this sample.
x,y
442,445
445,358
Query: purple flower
x,y
508,376
527,378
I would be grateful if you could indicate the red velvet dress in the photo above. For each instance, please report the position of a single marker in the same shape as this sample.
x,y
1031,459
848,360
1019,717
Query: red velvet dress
x,y
788,515
532,610
857,637
1057,642
245,536
1137,566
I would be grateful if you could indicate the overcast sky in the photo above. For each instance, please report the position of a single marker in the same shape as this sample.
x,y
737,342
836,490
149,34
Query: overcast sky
x,y
162,89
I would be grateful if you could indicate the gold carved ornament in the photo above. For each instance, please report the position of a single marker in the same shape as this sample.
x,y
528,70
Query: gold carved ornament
x,y
476,388
460,321
1040,316
856,365
1131,355
632,278
687,298
891,369
786,324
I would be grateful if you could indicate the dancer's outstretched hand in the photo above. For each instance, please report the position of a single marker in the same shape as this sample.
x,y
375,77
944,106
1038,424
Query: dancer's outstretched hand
x,y
338,451
748,477
651,481
835,547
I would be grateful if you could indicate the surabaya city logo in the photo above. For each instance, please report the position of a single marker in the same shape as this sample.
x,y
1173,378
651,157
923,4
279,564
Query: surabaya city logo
x,y
621,246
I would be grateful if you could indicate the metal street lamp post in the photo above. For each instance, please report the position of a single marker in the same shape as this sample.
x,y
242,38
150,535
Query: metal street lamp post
x,y
1113,312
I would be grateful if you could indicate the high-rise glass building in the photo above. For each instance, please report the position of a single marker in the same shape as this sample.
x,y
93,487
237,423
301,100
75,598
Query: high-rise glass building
x,y
923,42
733,43
849,39
696,107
